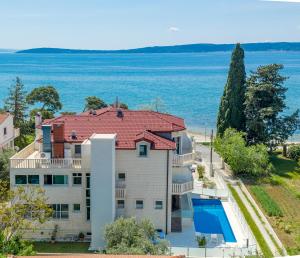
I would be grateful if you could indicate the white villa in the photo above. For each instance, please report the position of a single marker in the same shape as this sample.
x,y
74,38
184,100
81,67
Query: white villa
x,y
102,164
7,131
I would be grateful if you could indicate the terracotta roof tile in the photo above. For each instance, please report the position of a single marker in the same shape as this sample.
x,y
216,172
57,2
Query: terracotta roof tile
x,y
3,116
128,127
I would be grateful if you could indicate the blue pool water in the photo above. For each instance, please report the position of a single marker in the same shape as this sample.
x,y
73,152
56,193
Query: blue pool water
x,y
210,218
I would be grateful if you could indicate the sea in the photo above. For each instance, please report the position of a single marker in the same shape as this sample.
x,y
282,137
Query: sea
x,y
189,84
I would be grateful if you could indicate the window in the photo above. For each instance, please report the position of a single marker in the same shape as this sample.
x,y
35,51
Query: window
x,y
60,180
27,179
21,179
158,205
139,204
77,178
143,150
88,182
55,180
78,150
60,211
120,204
88,196
76,207
33,179
4,131
121,177
47,179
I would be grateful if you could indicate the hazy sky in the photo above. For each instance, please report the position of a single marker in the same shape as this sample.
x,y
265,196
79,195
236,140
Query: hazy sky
x,y
115,24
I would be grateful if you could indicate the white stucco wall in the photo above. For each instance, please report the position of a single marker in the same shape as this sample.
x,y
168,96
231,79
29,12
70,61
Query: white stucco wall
x,y
60,194
9,137
146,179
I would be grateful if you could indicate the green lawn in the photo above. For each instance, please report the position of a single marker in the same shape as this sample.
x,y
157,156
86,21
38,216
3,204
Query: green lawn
x,y
282,189
256,232
68,247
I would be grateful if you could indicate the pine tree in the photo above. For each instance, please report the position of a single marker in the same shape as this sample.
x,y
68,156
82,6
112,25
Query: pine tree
x,y
231,110
16,102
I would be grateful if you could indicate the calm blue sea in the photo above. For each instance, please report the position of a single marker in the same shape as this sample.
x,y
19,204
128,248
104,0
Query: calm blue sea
x,y
189,84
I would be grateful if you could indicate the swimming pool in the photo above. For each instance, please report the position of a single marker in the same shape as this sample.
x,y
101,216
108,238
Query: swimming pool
x,y
210,218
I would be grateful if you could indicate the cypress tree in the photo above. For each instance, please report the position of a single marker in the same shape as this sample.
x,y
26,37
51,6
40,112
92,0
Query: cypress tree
x,y
231,109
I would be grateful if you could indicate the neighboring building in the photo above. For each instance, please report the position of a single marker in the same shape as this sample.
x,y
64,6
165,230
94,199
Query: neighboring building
x,y
99,165
7,131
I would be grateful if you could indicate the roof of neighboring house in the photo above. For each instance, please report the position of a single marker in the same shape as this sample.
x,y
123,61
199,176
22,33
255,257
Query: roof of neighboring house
x,y
131,126
100,256
3,116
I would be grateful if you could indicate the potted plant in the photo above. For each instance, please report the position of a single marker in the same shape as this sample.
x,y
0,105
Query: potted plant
x,y
81,236
54,233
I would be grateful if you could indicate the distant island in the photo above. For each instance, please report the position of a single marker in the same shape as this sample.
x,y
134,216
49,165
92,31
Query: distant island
x,y
190,48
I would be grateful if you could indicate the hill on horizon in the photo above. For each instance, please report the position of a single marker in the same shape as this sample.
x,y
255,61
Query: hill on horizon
x,y
189,48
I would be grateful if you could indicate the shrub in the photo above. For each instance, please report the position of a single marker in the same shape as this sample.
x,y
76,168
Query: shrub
x,y
242,159
294,152
200,171
268,204
201,241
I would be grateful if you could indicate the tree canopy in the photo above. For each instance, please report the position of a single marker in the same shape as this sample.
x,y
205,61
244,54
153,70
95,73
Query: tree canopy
x,y
47,96
127,236
21,208
246,160
16,103
231,109
264,104
93,103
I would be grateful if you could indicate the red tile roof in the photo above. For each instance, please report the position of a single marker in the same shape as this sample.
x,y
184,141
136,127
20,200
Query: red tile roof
x,y
133,126
3,116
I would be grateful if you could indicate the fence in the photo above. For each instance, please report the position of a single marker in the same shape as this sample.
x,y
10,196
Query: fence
x,y
214,252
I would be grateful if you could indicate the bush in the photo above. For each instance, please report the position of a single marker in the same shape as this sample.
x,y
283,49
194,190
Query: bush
x,y
294,152
128,236
200,171
201,241
242,159
15,246
268,204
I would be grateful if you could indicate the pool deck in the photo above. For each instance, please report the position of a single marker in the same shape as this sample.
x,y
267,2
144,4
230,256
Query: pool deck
x,y
235,225
186,238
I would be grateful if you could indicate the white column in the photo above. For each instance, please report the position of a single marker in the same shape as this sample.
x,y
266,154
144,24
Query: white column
x,y
102,186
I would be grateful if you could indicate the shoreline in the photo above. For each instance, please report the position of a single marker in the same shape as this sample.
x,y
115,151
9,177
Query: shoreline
x,y
202,137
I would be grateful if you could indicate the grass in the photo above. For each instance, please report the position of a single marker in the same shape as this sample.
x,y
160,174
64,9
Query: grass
x,y
279,250
256,232
268,204
283,188
66,247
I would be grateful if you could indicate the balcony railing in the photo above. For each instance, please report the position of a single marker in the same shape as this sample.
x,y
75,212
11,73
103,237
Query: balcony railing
x,y
120,189
182,188
120,193
45,163
180,160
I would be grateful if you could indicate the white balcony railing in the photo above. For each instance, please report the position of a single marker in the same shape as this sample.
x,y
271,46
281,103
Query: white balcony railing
x,y
45,163
120,193
180,160
182,188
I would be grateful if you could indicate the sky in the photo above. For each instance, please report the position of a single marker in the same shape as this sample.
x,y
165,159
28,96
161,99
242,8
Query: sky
x,y
123,24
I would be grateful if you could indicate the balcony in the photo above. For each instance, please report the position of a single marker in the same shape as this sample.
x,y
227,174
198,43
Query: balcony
x,y
184,159
45,163
120,189
27,159
182,188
